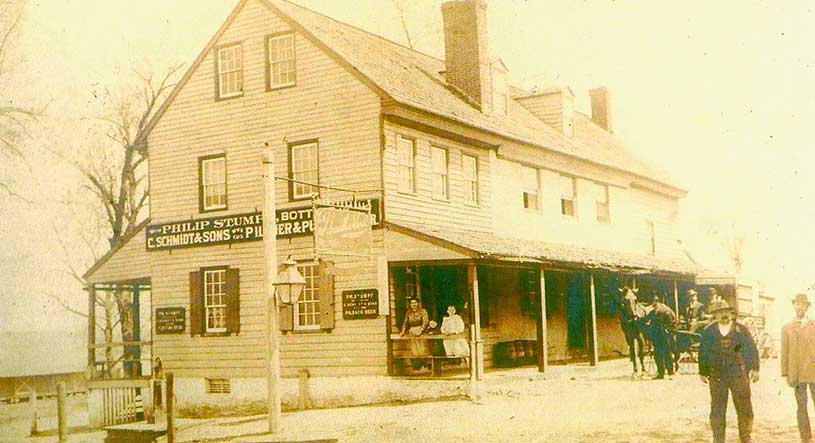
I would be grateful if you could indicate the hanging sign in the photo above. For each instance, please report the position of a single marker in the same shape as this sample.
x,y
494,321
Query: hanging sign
x,y
342,232
170,321
360,304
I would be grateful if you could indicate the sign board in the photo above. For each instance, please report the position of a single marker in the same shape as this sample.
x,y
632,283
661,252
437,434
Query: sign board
x,y
360,304
342,232
225,229
170,321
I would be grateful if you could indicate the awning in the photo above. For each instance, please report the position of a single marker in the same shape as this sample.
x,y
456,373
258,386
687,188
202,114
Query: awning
x,y
484,245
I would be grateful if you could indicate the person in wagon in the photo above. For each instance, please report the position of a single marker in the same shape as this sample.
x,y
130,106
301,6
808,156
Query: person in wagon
x,y
453,324
416,321
728,362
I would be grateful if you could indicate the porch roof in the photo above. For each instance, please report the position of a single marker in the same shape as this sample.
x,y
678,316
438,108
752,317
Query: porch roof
x,y
128,261
489,246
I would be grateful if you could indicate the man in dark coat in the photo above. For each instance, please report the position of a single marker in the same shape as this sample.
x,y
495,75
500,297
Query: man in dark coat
x,y
728,361
695,310
662,320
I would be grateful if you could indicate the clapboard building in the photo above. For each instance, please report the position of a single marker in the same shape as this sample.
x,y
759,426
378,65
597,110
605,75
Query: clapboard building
x,y
510,202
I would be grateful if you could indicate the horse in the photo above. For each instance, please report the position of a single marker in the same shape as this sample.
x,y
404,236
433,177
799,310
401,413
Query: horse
x,y
632,317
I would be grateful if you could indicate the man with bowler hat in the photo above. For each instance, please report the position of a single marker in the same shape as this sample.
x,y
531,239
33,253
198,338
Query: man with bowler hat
x,y
728,361
662,320
797,357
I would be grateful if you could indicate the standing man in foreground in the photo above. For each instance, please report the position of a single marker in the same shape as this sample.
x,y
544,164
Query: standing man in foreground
x,y
797,357
728,361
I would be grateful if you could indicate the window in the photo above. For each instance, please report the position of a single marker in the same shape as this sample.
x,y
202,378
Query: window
x,y
603,215
406,152
229,65
307,309
304,167
280,61
438,158
218,386
529,284
469,172
212,183
652,247
568,195
531,187
215,300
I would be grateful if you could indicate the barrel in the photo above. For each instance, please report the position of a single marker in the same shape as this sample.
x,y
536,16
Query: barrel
x,y
531,352
503,354
520,352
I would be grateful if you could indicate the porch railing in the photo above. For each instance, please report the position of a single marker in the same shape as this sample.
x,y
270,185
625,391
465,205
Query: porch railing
x,y
120,360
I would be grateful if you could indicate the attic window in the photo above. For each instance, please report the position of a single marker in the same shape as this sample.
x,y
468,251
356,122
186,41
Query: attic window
x,y
229,64
218,386
280,60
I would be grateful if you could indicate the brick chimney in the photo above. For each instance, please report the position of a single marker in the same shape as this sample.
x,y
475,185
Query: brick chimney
x,y
601,107
466,50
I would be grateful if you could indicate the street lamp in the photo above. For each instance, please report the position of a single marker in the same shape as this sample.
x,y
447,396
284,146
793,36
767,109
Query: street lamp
x,y
290,283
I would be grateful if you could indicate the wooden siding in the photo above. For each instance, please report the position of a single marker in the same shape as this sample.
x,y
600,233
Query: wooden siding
x,y
327,104
420,207
131,261
549,107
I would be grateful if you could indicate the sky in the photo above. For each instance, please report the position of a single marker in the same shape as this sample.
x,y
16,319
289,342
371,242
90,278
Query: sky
x,y
718,94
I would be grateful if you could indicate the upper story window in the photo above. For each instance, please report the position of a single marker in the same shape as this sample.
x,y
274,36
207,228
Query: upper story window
x,y
304,169
212,183
229,64
438,158
307,310
215,300
602,204
568,195
280,61
469,172
530,183
406,153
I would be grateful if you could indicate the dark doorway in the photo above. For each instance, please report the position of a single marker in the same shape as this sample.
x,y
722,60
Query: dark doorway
x,y
576,312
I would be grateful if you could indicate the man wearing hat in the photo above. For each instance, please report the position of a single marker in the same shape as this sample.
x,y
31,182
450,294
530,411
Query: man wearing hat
x,y
728,361
696,310
663,321
797,355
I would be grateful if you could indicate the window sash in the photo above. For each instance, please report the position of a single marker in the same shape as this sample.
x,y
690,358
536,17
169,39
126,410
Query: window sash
x,y
307,312
602,205
305,168
215,300
230,71
530,182
406,153
281,61
568,195
469,166
440,172
213,183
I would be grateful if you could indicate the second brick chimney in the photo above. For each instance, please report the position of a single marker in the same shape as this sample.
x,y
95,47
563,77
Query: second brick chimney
x,y
601,107
466,50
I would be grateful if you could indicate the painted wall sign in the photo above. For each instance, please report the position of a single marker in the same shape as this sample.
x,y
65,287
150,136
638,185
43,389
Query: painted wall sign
x,y
359,304
291,222
170,321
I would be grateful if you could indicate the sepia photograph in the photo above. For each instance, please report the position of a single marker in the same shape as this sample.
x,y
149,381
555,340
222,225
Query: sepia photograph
x,y
320,221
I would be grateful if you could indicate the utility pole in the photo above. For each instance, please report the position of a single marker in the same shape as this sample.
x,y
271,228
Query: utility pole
x,y
270,274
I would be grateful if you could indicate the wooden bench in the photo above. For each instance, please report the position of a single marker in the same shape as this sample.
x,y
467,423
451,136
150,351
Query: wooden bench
x,y
436,361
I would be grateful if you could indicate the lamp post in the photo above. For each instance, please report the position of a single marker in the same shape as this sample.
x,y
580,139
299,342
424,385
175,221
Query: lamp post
x,y
287,285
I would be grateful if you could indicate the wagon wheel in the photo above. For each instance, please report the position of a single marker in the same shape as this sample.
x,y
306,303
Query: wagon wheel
x,y
689,361
650,366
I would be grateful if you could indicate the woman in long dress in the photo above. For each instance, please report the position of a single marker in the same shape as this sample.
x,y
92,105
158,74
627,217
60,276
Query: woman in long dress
x,y
416,321
453,324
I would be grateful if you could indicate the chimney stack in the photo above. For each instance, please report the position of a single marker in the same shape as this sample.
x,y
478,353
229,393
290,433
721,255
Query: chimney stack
x,y
466,49
601,107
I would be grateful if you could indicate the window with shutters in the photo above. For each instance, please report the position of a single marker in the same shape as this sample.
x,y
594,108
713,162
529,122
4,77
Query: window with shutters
x,y
304,167
218,386
215,300
406,170
530,182
229,66
212,182
441,178
307,310
469,172
568,195
280,61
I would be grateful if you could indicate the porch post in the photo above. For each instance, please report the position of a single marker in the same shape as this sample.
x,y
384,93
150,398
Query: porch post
x,y
594,355
91,329
676,301
543,343
476,344
136,331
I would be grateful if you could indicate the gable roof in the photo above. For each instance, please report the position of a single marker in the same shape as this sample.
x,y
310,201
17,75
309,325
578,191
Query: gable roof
x,y
414,79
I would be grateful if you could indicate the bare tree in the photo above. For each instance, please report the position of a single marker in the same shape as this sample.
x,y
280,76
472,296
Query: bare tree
x,y
732,239
400,10
15,118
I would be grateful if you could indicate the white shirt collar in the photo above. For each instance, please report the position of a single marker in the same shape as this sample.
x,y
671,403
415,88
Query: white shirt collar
x,y
724,330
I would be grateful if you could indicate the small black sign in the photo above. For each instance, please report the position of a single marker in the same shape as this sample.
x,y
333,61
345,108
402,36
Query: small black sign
x,y
360,304
170,321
